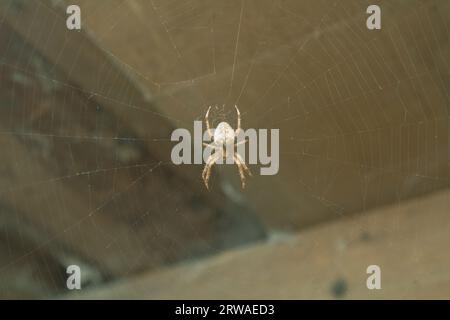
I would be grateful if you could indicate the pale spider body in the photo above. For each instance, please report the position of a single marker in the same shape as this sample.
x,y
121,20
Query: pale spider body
x,y
224,136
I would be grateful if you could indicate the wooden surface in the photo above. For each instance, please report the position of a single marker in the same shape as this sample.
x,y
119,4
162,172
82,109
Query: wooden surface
x,y
409,242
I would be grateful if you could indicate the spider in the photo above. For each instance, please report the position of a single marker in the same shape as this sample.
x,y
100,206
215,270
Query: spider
x,y
224,136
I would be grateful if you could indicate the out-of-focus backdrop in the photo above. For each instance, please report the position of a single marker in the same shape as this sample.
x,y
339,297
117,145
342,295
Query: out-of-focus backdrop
x,y
86,176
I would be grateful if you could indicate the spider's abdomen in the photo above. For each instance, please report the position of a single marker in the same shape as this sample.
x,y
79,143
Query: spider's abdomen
x,y
224,134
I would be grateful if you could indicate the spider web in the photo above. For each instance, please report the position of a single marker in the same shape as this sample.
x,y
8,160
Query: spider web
x,y
363,118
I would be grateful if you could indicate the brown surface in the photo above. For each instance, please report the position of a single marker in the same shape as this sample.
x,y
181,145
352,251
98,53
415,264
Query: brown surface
x,y
409,242
86,175
363,115
73,167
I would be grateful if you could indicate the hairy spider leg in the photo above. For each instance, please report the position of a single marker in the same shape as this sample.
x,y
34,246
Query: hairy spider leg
x,y
208,126
241,166
207,170
238,128
238,156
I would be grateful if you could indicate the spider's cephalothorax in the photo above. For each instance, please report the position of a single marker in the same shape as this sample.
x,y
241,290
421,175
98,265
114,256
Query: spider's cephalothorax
x,y
224,136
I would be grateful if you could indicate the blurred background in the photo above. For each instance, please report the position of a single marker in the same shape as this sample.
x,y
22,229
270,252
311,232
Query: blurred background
x,y
86,177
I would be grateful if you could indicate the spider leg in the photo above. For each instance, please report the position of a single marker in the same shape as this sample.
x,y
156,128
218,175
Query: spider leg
x,y
240,142
238,128
212,146
207,170
208,126
238,156
242,168
239,118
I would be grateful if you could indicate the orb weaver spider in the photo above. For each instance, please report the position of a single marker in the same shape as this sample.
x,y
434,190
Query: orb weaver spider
x,y
223,137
